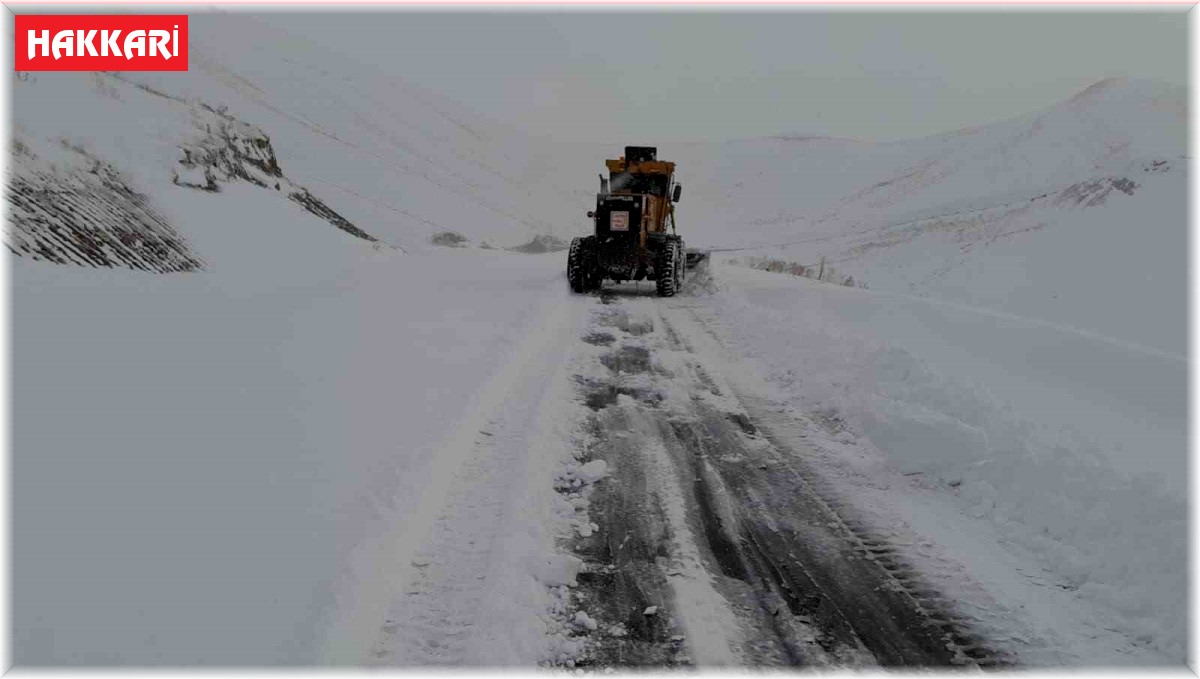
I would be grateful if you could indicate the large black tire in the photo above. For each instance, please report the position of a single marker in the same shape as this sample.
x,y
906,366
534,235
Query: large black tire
x,y
581,264
669,268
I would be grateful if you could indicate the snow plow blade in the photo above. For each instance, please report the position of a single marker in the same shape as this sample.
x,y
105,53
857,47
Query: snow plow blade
x,y
694,257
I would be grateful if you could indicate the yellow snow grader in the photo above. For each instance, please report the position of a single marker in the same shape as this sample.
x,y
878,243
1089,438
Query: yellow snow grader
x,y
631,239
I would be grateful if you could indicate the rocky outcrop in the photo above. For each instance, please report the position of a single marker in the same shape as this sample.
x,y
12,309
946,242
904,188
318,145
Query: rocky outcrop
x,y
226,149
88,214
1094,192
541,244
80,209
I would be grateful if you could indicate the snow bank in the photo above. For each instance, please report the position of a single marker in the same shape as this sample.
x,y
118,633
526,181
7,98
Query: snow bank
x,y
199,456
1072,446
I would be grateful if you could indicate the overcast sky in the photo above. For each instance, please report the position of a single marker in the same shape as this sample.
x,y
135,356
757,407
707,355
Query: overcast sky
x,y
679,76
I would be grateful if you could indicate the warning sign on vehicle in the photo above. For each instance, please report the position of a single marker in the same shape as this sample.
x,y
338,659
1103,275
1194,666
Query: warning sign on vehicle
x,y
618,221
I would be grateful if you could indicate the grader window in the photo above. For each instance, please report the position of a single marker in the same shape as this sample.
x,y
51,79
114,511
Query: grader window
x,y
653,184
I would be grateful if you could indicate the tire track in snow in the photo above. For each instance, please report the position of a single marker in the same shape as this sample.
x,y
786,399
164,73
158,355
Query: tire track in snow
x,y
664,533
704,614
896,611
732,533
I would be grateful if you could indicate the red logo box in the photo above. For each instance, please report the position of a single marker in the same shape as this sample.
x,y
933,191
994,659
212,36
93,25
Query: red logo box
x,y
101,42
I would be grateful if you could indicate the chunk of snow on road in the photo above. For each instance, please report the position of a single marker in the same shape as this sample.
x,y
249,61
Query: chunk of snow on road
x,y
557,570
585,621
593,471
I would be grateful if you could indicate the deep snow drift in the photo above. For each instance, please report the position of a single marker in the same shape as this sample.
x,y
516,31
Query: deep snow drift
x,y
245,464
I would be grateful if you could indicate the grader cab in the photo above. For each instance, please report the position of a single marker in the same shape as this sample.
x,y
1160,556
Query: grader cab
x,y
634,227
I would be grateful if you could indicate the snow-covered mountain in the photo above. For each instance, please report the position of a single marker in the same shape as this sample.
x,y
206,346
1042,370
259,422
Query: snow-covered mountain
x,y
1071,214
1063,215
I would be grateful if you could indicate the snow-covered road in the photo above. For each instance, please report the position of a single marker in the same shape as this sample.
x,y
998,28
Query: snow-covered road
x,y
800,446
720,525
447,458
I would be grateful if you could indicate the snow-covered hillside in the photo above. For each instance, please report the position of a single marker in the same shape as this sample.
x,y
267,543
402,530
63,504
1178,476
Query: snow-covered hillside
x,y
260,417
1071,215
359,148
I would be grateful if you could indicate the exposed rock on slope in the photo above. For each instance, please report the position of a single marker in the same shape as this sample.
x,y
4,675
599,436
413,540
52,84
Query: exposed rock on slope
x,y
228,150
541,244
92,203
87,214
